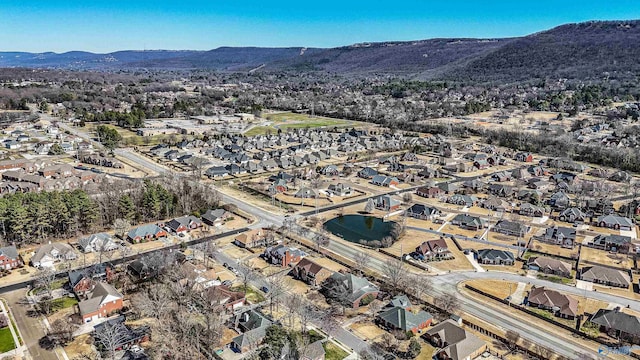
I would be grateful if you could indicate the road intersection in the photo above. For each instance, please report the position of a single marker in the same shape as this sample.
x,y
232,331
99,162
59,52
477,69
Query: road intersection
x,y
443,283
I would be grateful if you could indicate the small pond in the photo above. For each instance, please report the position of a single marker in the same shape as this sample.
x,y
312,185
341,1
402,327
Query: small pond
x,y
355,228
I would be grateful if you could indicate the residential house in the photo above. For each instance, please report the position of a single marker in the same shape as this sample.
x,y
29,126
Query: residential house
x,y
386,181
453,342
252,326
500,190
611,242
448,187
48,254
561,305
495,257
9,258
184,224
367,173
528,209
423,212
469,222
254,238
400,314
306,193
340,189
387,203
618,324
330,170
524,157
216,171
278,186
313,351
559,235
559,200
358,290
436,249
100,302
605,275
310,272
100,242
549,265
572,215
464,200
495,204
215,217
127,335
222,295
283,255
429,192
615,222
512,228
146,233
197,277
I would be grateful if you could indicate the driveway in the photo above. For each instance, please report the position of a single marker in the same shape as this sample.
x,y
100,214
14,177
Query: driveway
x,y
31,328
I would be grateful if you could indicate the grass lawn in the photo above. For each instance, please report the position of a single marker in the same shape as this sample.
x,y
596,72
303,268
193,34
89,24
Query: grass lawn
x,y
253,296
555,279
333,352
6,340
62,303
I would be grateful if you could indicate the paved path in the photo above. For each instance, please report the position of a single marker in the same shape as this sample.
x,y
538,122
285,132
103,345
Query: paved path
x,y
18,349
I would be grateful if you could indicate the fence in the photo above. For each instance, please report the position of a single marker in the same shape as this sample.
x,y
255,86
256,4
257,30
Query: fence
x,y
541,317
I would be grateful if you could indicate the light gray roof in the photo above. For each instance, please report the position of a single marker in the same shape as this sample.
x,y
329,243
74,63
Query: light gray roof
x,y
603,273
9,251
99,293
357,286
144,230
46,249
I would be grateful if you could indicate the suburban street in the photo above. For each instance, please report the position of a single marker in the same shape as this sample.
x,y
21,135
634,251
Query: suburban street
x,y
443,284
31,329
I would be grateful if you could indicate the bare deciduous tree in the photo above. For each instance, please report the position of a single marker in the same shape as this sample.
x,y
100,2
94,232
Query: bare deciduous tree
x,y
396,273
448,303
44,278
361,260
111,336
121,226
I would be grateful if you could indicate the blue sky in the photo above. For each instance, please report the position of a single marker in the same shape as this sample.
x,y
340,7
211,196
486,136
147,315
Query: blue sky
x,y
104,26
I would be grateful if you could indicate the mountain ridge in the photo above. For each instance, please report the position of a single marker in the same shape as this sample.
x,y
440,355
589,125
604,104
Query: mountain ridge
x,y
576,50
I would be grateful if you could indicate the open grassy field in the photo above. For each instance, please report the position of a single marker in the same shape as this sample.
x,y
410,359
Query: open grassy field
x,y
288,120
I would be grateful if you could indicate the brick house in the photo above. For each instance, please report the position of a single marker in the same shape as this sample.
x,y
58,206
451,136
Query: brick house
x,y
184,224
146,233
549,265
9,258
402,315
429,192
282,255
311,272
495,257
101,302
356,288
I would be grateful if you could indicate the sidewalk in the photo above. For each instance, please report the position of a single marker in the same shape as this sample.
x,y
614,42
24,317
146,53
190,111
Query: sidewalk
x,y
19,350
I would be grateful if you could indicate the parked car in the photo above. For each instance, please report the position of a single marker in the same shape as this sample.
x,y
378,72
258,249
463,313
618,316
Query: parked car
x,y
264,289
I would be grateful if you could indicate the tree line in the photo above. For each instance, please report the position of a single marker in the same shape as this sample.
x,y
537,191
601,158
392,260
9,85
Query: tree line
x,y
34,217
